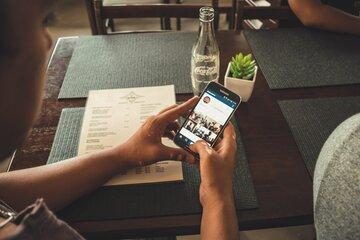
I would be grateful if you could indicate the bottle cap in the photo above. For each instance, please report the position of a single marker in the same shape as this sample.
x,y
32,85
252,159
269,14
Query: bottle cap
x,y
207,14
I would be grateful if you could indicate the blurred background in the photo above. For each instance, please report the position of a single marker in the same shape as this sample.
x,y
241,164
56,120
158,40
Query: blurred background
x,y
70,19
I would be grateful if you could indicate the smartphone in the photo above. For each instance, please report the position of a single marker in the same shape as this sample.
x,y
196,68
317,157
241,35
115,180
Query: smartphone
x,y
208,119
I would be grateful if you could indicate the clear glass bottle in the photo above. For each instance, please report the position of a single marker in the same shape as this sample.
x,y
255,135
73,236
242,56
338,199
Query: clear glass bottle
x,y
205,59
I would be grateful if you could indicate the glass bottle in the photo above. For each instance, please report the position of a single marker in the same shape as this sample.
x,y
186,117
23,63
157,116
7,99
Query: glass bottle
x,y
205,59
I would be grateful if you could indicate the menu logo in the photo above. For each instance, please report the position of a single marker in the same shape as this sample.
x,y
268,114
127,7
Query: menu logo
x,y
132,97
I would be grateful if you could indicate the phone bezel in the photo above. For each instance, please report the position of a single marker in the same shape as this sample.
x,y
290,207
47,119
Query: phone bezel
x,y
218,88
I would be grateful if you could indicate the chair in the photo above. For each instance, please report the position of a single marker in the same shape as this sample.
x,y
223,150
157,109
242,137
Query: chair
x,y
100,13
165,23
110,22
222,8
282,14
91,16
357,8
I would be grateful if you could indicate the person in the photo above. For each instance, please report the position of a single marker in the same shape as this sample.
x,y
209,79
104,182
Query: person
x,y
336,184
24,45
206,99
332,15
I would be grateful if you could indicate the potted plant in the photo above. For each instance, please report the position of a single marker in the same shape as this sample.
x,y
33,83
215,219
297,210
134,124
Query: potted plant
x,y
241,75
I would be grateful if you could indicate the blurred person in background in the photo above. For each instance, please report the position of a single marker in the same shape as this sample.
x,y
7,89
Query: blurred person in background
x,y
332,15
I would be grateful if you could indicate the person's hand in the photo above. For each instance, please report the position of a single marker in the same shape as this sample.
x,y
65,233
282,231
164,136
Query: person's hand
x,y
216,168
145,146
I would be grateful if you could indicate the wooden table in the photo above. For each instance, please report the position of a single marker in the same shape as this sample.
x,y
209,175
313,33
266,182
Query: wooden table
x,y
282,183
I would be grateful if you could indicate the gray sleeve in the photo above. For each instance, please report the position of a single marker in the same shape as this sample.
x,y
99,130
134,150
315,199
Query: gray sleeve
x,y
337,184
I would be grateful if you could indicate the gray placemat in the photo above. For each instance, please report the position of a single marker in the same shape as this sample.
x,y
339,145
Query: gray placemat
x,y
129,60
299,57
118,202
312,121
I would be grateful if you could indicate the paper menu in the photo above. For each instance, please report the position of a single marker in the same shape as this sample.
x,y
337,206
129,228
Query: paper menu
x,y
112,116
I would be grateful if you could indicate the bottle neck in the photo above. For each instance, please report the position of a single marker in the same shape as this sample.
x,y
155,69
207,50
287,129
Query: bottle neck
x,y
206,30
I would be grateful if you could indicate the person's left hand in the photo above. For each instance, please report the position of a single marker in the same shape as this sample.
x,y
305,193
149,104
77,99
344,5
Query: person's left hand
x,y
145,146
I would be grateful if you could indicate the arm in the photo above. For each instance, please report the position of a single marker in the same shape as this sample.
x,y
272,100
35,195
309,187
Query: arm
x,y
219,219
314,14
61,183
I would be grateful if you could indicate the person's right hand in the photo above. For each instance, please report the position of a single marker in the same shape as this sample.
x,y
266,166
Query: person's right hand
x,y
145,146
216,168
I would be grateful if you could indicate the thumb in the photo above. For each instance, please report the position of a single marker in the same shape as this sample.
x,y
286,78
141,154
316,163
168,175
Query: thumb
x,y
178,154
201,147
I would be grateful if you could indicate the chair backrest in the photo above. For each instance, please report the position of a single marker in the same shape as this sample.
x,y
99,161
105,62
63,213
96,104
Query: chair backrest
x,y
284,15
101,12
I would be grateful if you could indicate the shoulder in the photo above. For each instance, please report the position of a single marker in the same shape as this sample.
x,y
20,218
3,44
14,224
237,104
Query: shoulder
x,y
336,183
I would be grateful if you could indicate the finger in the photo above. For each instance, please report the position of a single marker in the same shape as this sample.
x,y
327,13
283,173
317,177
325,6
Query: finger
x,y
168,108
201,148
186,114
173,126
229,133
176,112
229,138
178,154
173,106
171,130
170,135
218,141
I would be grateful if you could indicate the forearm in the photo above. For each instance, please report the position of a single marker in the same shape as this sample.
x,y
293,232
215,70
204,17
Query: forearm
x,y
219,221
335,20
60,183
314,14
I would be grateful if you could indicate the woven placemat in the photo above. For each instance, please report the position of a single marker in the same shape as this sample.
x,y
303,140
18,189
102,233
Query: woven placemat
x,y
312,121
129,60
299,57
135,201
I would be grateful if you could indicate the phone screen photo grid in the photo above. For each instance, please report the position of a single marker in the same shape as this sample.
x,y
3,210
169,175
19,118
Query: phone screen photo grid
x,y
203,126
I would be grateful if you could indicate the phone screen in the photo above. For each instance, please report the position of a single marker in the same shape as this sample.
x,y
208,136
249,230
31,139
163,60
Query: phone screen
x,y
207,118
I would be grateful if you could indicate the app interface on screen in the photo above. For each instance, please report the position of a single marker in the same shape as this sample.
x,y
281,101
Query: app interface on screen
x,y
207,119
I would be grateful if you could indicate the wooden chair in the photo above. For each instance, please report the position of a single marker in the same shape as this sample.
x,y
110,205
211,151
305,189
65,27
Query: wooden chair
x,y
101,13
91,16
214,4
357,8
165,23
222,8
280,16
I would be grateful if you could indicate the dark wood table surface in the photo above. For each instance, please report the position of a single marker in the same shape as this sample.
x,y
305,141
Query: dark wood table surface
x,y
282,183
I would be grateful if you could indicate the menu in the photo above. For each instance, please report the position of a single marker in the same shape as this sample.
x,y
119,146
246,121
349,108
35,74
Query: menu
x,y
112,116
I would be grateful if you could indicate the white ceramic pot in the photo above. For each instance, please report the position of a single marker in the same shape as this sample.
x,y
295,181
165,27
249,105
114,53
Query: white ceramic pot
x,y
242,87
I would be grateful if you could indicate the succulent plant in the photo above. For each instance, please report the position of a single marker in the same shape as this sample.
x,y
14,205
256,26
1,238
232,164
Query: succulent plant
x,y
242,67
